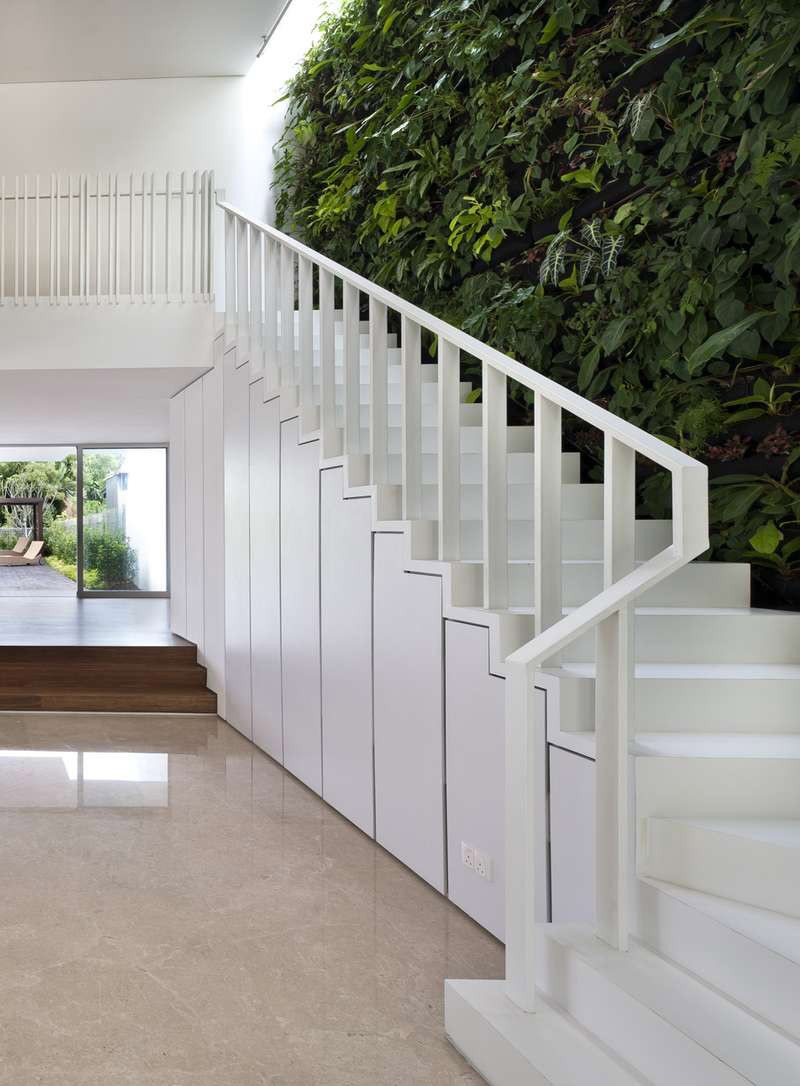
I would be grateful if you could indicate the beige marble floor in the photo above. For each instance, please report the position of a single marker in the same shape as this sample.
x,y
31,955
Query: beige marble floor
x,y
176,909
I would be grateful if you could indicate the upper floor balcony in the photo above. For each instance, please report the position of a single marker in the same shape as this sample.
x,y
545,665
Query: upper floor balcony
x,y
107,270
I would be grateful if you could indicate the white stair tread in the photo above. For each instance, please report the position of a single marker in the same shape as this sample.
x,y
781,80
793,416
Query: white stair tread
x,y
717,745
733,1044
782,832
775,931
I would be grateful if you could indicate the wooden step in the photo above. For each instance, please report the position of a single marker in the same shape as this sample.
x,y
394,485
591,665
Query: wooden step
x,y
104,678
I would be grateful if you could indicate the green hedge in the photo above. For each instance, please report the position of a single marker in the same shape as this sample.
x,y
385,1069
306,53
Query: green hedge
x,y
607,191
110,562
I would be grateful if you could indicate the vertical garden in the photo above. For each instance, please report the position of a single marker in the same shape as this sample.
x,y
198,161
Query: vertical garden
x,y
609,192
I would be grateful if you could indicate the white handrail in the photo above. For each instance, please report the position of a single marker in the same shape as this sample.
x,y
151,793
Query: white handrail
x,y
609,613
95,237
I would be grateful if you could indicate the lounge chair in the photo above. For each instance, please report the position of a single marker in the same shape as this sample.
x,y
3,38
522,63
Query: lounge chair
x,y
31,557
19,547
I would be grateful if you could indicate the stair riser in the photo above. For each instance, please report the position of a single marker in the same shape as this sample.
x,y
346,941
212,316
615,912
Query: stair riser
x,y
156,701
754,872
580,501
638,1034
755,975
723,705
748,637
746,788
719,585
520,468
429,396
580,540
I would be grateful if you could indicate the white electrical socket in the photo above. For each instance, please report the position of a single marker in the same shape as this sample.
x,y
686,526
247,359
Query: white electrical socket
x,y
468,855
483,865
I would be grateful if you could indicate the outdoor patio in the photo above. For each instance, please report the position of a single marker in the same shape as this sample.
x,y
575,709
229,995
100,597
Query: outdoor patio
x,y
34,581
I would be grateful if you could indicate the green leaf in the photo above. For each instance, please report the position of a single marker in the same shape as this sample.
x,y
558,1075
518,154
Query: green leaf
x,y
766,539
715,345
551,28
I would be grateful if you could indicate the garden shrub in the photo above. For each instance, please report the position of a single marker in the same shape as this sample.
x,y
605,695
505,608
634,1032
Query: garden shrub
x,y
61,543
607,191
108,555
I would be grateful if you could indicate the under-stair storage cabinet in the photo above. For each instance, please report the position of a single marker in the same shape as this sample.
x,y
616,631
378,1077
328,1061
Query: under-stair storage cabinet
x,y
346,643
236,410
572,836
302,732
409,726
265,572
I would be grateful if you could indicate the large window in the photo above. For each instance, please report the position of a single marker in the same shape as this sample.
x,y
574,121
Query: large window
x,y
122,545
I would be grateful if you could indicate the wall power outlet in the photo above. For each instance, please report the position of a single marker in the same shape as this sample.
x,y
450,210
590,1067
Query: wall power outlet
x,y
477,861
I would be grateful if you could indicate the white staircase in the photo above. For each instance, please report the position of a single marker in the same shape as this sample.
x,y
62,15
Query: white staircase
x,y
693,977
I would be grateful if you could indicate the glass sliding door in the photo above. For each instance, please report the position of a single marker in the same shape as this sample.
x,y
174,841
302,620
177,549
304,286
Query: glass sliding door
x,y
122,520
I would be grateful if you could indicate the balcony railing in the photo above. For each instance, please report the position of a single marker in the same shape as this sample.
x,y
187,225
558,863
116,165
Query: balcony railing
x,y
107,238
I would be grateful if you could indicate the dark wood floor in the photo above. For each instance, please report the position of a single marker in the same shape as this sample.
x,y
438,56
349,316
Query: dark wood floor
x,y
59,654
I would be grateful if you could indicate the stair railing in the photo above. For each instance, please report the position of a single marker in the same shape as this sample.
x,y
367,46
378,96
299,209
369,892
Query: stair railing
x,y
261,282
106,237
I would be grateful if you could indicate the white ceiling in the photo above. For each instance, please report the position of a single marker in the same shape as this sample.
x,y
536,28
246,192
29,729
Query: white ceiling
x,y
46,41
93,405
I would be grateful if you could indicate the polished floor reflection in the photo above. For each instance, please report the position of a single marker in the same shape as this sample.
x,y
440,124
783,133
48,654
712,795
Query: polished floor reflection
x,y
176,909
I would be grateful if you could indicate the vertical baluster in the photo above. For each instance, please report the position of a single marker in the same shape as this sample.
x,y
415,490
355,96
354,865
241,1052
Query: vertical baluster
x,y
80,241
152,237
194,236
110,245
38,235
242,300
494,438
116,239
288,377
230,276
85,236
70,249
331,445
3,240
203,237
25,201
614,697
143,256
98,274
53,205
58,240
547,512
16,241
210,230
449,449
182,245
272,296
378,393
167,201
521,843
256,300
131,241
306,339
411,421
351,360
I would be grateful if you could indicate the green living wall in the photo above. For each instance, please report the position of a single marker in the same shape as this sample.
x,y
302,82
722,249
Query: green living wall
x,y
607,191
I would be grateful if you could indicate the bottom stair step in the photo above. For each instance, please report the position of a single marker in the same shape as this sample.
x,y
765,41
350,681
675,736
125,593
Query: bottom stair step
x,y
667,1024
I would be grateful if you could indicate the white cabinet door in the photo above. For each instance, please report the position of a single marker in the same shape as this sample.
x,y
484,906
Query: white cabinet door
x,y
214,536
177,514
572,848
346,616
265,572
409,733
194,515
236,407
476,753
302,733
